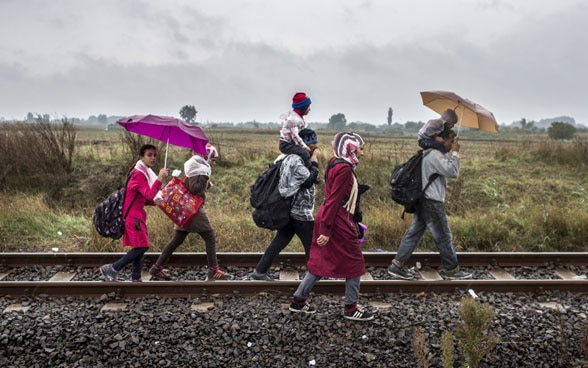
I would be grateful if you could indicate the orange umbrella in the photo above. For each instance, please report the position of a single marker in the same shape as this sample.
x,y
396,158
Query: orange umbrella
x,y
469,113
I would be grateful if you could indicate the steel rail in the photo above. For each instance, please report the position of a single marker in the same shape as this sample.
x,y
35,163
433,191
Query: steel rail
x,y
286,259
204,290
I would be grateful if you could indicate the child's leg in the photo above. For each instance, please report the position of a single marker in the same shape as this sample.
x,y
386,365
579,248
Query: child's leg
x,y
210,243
289,148
174,243
138,263
132,256
431,143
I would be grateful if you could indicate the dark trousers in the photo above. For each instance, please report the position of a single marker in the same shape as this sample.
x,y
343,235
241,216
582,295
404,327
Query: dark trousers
x,y
431,143
302,229
134,256
289,148
178,239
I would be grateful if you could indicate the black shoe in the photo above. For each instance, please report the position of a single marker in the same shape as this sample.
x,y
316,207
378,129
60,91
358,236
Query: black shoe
x,y
399,273
261,276
358,314
458,275
302,308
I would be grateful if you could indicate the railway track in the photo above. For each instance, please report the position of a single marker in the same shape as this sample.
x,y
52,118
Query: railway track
x,y
75,274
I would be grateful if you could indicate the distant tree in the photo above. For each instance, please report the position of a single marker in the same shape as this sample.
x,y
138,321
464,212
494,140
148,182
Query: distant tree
x,y
103,119
390,111
559,130
188,113
337,122
30,118
523,123
412,126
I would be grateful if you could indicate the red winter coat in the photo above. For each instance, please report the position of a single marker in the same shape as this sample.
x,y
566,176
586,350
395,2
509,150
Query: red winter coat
x,y
136,234
341,257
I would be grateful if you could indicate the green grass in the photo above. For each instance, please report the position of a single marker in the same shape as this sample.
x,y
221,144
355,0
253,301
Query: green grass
x,y
511,195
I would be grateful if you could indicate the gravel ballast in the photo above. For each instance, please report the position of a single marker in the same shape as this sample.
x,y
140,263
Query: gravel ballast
x,y
535,330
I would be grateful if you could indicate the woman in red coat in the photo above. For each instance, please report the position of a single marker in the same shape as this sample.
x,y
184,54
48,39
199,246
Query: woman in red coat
x,y
335,251
141,190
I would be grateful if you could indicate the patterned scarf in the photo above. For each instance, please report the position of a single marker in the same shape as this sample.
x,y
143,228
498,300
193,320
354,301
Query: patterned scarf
x,y
345,146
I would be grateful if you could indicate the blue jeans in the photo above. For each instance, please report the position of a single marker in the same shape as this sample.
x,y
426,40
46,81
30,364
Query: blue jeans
x,y
134,256
429,214
426,143
305,287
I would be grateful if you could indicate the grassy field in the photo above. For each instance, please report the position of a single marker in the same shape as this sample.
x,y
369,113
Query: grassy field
x,y
520,193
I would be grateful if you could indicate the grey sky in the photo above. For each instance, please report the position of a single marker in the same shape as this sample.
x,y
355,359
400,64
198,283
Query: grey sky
x,y
242,60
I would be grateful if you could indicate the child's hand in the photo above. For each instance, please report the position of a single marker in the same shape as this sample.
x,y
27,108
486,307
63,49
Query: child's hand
x,y
308,149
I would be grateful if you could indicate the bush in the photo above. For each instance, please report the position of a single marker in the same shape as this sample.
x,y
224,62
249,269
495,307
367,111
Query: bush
x,y
562,131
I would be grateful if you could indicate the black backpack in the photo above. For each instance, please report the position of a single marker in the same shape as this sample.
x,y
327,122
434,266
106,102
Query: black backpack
x,y
407,184
270,210
108,216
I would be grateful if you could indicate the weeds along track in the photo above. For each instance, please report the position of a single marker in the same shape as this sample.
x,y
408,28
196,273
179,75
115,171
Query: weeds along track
x,y
76,274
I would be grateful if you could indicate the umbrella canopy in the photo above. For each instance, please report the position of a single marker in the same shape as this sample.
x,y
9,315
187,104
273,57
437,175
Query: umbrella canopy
x,y
167,129
469,113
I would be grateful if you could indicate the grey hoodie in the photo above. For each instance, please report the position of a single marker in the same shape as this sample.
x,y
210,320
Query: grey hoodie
x,y
446,165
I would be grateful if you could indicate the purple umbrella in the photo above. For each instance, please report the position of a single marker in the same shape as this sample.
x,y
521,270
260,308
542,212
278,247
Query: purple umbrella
x,y
167,129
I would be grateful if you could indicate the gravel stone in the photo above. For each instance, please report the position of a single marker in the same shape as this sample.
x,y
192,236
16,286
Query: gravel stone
x,y
259,331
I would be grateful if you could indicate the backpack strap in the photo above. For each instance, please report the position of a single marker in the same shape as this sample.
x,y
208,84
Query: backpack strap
x,y
334,162
433,176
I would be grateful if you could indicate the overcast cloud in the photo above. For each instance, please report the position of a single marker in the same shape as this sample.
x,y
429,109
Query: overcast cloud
x,y
242,60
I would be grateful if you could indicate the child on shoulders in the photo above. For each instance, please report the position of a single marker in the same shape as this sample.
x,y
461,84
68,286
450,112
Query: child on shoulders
x,y
292,123
428,135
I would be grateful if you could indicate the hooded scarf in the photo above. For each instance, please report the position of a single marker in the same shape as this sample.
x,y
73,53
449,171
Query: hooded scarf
x,y
345,146
197,165
211,152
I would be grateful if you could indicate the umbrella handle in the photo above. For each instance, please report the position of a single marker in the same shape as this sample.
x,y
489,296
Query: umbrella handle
x,y
165,162
459,125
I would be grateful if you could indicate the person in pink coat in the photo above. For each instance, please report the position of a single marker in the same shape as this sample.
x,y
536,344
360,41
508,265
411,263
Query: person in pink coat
x,y
142,188
335,251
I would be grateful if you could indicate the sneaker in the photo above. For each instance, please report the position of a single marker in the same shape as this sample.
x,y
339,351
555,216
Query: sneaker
x,y
215,273
157,273
261,276
108,272
137,280
358,314
399,273
458,275
302,307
